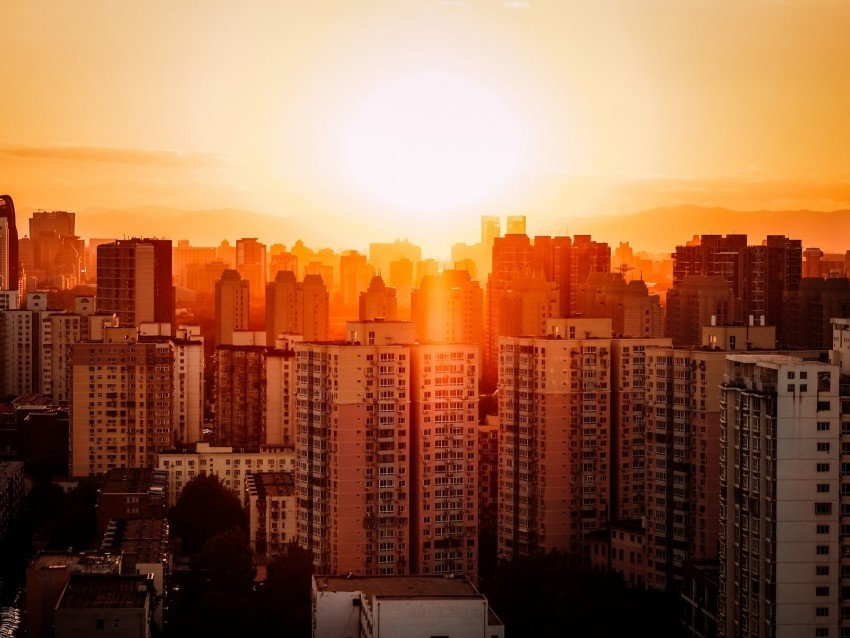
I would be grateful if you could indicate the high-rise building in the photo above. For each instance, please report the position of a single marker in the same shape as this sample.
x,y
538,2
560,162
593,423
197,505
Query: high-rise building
x,y
20,345
9,260
555,430
58,254
633,311
387,453
134,281
382,255
231,306
255,396
772,269
698,301
188,393
512,259
443,459
122,401
783,555
296,307
449,308
378,301
354,275
807,311
251,264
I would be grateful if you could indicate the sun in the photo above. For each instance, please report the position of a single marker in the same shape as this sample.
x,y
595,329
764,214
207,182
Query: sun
x,y
432,141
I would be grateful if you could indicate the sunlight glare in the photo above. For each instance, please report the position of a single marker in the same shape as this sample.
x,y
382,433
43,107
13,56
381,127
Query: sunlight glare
x,y
432,141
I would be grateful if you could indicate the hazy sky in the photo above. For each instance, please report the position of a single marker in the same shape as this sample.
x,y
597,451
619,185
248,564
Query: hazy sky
x,y
413,113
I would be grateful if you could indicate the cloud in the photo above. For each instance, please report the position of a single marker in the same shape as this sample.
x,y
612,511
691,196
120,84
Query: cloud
x,y
111,155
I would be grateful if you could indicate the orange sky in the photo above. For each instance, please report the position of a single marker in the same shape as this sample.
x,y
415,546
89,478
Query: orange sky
x,y
609,107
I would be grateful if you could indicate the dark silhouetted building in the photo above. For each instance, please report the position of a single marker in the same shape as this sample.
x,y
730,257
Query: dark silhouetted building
x,y
134,281
9,259
806,312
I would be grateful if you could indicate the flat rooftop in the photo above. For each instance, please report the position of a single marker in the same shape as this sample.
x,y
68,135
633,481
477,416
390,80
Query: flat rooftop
x,y
104,591
134,481
400,586
271,484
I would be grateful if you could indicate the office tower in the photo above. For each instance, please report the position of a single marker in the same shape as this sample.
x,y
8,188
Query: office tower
x,y
121,412
807,312
378,301
252,266
91,256
354,274
554,423
283,261
231,306
449,308
633,311
134,281
255,396
386,434
783,555
426,267
697,302
9,260
188,393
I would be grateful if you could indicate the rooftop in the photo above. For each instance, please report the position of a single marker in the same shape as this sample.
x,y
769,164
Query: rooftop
x,y
104,591
400,586
134,481
264,484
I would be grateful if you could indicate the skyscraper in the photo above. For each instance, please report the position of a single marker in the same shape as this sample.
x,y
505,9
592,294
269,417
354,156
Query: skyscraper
x,y
134,281
9,260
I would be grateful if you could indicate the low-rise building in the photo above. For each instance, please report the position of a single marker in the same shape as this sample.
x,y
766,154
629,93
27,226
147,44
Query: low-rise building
x,y
411,606
230,465
272,511
95,604
130,493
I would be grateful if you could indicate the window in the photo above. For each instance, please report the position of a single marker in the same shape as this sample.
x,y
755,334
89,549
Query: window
x,y
821,631
823,406
822,570
823,529
823,426
822,550
823,508
821,591
823,488
823,467
822,611
823,446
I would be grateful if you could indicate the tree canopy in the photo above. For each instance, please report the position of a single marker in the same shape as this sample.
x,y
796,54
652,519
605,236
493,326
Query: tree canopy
x,y
205,508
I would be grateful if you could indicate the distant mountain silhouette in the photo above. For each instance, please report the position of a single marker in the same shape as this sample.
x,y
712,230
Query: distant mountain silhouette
x,y
662,229
656,230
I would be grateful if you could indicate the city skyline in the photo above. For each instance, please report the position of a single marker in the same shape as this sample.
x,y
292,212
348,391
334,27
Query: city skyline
x,y
347,116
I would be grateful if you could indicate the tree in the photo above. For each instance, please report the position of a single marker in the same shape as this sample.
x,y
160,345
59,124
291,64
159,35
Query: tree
x,y
557,594
227,562
205,508
284,598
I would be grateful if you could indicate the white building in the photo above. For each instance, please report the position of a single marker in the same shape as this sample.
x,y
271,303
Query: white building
x,y
231,467
409,606
783,557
